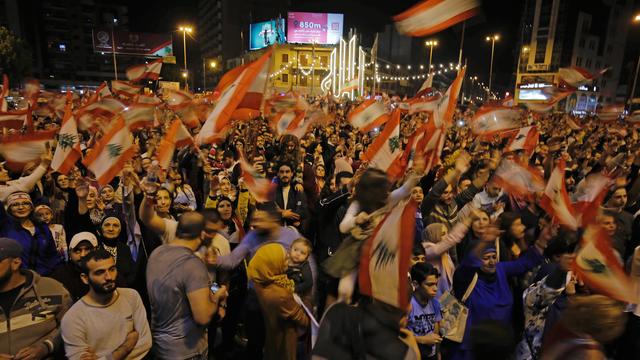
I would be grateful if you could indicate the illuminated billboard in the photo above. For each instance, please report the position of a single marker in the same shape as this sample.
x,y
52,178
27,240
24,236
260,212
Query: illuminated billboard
x,y
132,43
266,33
319,28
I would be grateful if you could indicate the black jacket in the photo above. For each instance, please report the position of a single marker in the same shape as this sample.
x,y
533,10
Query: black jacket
x,y
297,202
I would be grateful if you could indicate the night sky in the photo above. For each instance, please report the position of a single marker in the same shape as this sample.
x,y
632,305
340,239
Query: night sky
x,y
498,16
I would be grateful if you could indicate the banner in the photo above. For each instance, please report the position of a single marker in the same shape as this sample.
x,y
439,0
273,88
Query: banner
x,y
132,43
319,28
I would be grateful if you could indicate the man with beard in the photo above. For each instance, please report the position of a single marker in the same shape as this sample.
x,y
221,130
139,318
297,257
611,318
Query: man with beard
x,y
291,202
69,272
109,322
37,303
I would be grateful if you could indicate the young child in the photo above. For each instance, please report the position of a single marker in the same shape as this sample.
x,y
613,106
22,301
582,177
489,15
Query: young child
x,y
299,269
45,215
425,315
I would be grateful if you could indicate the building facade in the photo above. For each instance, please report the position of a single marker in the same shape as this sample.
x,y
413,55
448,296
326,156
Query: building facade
x,y
565,33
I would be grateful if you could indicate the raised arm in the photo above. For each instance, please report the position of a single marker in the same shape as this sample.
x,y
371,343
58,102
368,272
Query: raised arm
x,y
149,217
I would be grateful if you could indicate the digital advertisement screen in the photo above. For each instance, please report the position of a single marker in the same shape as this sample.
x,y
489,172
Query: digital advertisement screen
x,y
147,44
319,28
266,33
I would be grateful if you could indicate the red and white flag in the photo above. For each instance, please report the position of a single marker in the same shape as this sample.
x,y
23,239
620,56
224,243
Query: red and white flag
x,y
149,71
601,268
589,195
555,199
610,112
286,122
424,104
32,91
539,107
571,123
427,142
490,119
261,188
4,106
176,137
426,85
176,99
102,110
368,116
432,16
245,91
101,92
109,155
518,179
508,101
575,76
68,145
147,99
138,116
443,113
525,138
124,88
386,255
15,119
18,150
386,147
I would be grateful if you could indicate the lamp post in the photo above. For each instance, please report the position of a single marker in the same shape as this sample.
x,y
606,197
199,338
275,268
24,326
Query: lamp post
x,y
185,30
212,65
636,19
431,44
492,39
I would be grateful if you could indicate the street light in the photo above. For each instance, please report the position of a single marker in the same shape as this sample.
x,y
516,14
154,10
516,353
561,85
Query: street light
x,y
636,19
185,30
492,39
431,44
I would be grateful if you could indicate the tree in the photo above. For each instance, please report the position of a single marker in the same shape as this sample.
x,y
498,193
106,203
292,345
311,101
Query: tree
x,y
15,57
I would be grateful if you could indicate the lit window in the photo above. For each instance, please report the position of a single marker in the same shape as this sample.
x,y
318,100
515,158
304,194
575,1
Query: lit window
x,y
62,47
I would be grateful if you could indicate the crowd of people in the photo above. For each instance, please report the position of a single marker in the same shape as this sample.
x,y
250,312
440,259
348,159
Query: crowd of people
x,y
185,263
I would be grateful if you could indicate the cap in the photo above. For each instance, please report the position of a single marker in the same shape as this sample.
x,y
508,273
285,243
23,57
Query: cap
x,y
83,236
9,248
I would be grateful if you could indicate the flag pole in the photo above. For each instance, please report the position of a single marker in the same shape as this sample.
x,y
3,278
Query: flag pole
x,y
461,45
113,51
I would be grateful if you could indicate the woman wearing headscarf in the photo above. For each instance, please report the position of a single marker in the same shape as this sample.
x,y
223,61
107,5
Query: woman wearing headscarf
x,y
487,279
112,238
282,314
233,226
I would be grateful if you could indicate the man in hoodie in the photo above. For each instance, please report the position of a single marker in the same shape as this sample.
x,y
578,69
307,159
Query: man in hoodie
x,y
37,302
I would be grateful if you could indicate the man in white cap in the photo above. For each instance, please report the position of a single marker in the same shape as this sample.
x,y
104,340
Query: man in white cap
x,y
68,273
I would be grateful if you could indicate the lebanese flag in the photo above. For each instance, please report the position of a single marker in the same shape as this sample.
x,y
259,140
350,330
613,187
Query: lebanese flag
x,y
244,91
525,138
176,99
555,199
589,195
508,101
149,71
15,119
18,150
575,76
31,91
285,122
539,107
572,124
262,189
610,112
109,155
432,16
427,104
446,107
368,116
99,111
190,115
427,142
426,85
124,88
4,93
147,99
288,101
101,92
386,147
68,149
176,137
138,116
518,179
600,267
491,119
385,256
